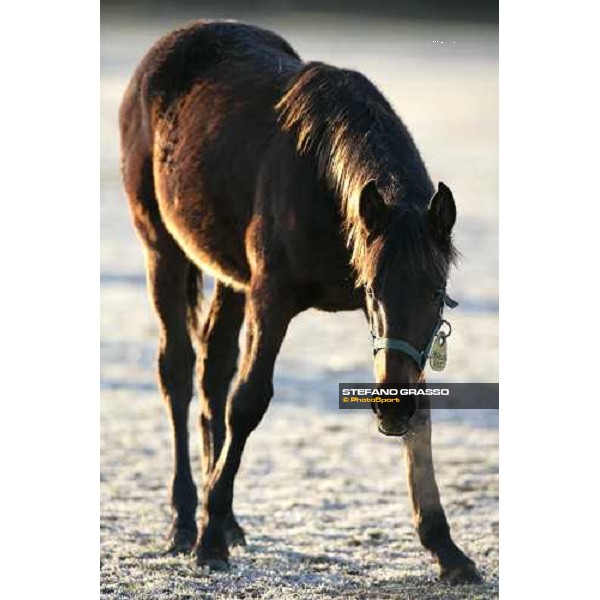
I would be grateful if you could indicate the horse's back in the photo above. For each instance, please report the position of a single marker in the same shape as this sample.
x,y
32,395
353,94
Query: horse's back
x,y
220,51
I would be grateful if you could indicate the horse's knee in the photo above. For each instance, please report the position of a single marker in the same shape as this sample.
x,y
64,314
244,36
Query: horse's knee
x,y
247,407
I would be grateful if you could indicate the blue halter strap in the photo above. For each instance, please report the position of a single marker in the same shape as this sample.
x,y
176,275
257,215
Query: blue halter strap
x,y
419,356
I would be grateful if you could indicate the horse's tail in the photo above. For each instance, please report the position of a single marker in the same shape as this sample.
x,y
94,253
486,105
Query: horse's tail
x,y
194,295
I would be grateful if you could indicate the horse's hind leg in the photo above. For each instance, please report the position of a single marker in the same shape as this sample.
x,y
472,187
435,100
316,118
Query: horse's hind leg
x,y
167,274
167,279
429,516
218,342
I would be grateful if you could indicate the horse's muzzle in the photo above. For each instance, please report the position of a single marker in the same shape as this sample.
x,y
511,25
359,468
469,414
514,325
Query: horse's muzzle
x,y
396,420
395,429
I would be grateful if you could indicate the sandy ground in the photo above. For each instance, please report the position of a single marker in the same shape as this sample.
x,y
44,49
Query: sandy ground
x,y
321,494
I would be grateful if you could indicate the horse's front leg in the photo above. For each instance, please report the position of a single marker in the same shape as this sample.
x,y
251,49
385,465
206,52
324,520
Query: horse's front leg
x,y
268,313
429,517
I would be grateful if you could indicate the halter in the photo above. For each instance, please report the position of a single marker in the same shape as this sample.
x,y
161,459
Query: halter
x,y
419,356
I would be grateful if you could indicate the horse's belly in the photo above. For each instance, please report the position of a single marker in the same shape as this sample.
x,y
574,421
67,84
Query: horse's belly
x,y
203,228
203,251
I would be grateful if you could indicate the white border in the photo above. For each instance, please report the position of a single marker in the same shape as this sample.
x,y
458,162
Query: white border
x,y
50,288
548,298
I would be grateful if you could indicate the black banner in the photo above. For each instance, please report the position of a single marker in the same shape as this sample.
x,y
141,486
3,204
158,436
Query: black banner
x,y
440,395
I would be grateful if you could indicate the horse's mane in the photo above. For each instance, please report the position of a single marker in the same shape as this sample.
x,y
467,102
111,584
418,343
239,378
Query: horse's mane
x,y
342,120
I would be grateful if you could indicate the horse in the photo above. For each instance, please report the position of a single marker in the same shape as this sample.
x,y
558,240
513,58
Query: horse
x,y
295,185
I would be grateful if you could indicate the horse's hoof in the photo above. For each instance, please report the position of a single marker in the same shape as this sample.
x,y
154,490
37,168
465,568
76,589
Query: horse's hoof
x,y
211,548
464,573
234,535
213,564
181,540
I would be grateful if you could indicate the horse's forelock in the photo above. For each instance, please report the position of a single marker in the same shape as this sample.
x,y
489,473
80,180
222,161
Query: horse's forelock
x,y
406,245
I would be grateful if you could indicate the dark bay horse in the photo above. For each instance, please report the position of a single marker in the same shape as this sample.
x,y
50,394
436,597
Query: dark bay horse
x,y
295,185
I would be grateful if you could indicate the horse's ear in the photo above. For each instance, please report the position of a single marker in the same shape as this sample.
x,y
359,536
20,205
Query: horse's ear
x,y
373,211
442,213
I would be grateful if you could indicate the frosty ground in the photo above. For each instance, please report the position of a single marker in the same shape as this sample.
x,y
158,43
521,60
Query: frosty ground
x,y
321,493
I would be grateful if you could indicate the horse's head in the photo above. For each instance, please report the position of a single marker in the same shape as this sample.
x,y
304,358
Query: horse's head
x,y
406,260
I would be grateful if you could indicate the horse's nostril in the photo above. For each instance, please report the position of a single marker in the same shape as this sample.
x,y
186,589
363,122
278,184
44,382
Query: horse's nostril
x,y
405,409
393,427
